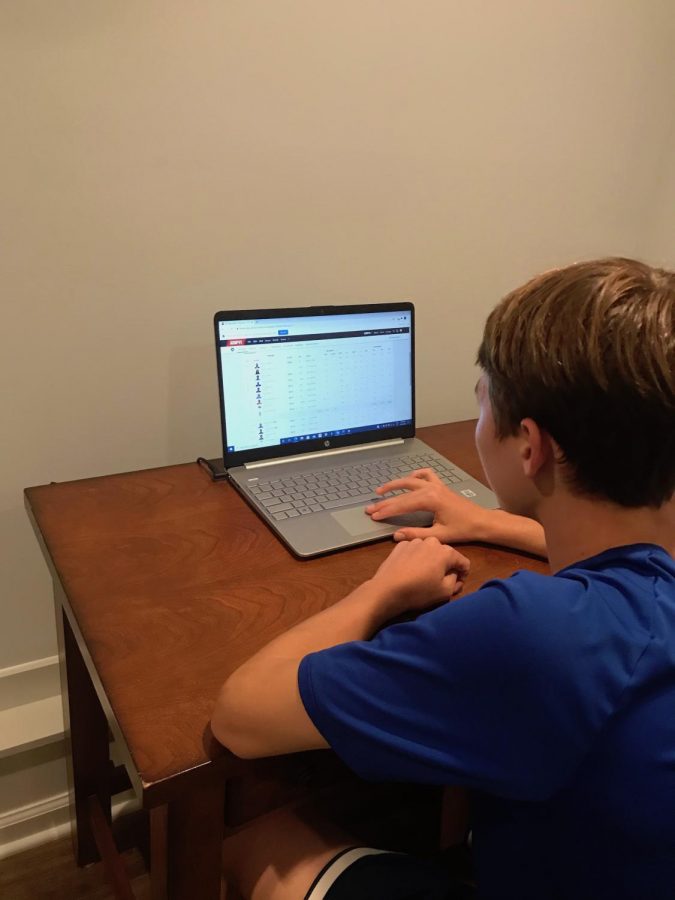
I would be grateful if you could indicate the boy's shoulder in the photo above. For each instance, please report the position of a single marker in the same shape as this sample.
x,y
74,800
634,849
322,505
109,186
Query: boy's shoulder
x,y
628,591
641,558
634,569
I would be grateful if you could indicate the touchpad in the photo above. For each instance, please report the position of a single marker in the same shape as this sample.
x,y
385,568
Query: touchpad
x,y
355,521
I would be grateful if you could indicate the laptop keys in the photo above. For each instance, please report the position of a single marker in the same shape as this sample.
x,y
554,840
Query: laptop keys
x,y
341,486
283,507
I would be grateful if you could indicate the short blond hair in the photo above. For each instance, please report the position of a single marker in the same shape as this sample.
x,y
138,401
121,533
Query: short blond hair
x,y
588,352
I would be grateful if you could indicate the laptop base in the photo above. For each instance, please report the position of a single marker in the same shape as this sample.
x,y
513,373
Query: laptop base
x,y
349,526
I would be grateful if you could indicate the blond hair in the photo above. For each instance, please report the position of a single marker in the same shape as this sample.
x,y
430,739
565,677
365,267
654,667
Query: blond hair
x,y
588,352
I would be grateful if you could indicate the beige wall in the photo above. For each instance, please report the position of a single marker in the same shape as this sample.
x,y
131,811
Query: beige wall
x,y
660,237
162,160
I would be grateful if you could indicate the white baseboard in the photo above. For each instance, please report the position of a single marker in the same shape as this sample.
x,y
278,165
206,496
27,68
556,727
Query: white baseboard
x,y
32,766
31,712
45,821
29,681
33,824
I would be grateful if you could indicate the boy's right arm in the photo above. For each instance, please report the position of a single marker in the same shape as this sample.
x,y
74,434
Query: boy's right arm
x,y
456,519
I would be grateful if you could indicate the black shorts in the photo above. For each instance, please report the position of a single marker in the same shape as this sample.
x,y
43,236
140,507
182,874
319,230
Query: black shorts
x,y
362,873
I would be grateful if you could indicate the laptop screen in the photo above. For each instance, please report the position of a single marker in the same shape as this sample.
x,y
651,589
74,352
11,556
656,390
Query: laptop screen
x,y
291,380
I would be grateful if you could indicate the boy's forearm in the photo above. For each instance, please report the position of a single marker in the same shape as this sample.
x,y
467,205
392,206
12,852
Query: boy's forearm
x,y
517,532
259,711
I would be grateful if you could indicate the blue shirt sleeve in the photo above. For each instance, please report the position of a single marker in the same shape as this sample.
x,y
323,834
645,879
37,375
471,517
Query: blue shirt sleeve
x,y
500,691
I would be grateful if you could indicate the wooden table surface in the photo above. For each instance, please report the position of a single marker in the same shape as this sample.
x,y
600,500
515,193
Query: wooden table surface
x,y
173,581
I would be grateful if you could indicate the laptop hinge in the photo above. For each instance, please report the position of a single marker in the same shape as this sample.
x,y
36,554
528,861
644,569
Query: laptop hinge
x,y
321,454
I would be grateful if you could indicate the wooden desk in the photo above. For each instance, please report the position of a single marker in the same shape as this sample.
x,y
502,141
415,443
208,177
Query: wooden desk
x,y
164,582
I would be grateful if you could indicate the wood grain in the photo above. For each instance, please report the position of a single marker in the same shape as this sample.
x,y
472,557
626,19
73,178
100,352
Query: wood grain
x,y
174,581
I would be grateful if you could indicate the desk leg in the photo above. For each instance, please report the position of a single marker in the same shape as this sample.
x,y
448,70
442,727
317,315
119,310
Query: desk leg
x,y
87,741
187,845
159,818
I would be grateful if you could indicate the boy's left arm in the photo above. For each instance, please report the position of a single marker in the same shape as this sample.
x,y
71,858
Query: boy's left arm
x,y
259,711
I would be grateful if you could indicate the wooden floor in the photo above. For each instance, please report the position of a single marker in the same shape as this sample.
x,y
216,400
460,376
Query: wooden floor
x,y
49,873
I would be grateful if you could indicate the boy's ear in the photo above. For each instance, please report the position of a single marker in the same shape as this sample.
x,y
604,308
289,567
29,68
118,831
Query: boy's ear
x,y
536,448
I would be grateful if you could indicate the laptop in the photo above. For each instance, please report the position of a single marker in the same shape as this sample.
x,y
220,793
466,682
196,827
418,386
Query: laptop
x,y
317,409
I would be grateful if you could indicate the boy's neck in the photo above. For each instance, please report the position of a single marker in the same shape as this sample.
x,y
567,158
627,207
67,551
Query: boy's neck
x,y
579,527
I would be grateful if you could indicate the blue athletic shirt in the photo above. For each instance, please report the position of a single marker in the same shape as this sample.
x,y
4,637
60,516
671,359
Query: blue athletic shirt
x,y
553,699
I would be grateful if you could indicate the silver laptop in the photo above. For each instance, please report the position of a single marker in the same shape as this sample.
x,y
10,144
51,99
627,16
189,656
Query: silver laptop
x,y
318,409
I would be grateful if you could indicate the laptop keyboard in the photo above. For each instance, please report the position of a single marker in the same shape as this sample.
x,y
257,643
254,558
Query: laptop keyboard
x,y
346,485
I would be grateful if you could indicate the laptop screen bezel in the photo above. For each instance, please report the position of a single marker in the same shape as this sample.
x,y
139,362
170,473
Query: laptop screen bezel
x,y
280,451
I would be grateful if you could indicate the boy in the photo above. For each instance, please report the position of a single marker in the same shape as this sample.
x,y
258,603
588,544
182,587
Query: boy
x,y
551,697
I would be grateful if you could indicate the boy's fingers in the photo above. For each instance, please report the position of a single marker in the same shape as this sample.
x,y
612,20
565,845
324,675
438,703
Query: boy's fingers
x,y
459,563
425,475
395,506
401,484
450,583
409,534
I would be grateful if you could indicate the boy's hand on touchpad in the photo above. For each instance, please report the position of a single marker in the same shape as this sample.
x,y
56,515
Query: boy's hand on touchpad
x,y
454,518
